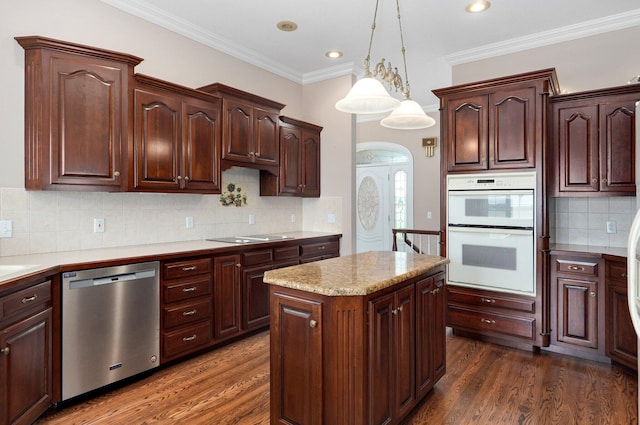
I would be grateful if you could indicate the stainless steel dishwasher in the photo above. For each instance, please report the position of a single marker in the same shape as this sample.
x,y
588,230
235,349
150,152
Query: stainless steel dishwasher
x,y
110,325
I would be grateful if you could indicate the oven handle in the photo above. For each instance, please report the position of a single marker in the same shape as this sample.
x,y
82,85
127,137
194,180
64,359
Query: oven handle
x,y
499,192
497,231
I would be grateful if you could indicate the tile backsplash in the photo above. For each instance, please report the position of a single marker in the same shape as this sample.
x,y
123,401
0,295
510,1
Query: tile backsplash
x,y
583,221
50,221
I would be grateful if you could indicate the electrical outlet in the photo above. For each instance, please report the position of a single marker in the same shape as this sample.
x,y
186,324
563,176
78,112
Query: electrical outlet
x,y
189,222
331,218
293,218
6,229
98,225
252,219
429,215
611,227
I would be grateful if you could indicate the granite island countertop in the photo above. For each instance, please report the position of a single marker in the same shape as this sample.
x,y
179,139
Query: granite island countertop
x,y
353,275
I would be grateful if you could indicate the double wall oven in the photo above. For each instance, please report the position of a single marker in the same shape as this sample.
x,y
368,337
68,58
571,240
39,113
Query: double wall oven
x,y
491,231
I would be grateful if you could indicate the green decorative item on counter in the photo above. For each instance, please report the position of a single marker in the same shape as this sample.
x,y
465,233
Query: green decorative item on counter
x,y
233,195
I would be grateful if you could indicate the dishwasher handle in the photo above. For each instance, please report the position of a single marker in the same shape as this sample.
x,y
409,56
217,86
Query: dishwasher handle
x,y
106,280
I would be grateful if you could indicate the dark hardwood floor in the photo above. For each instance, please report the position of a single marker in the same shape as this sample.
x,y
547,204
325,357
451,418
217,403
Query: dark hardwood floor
x,y
484,384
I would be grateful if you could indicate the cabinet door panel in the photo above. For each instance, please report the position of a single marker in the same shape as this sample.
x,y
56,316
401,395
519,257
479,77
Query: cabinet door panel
x,y
310,164
381,363
405,336
202,132
512,129
467,128
577,131
291,145
296,341
157,140
226,292
255,298
26,382
577,312
617,146
237,133
622,342
267,149
85,123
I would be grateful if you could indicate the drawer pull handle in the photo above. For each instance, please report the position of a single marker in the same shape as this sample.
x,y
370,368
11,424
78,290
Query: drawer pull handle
x,y
5,350
576,268
189,269
321,248
190,312
313,323
29,299
190,289
488,300
189,338
488,321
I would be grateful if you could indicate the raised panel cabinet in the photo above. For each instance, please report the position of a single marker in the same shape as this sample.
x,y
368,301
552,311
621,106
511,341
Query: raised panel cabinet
x,y
177,139
76,115
299,172
621,340
26,354
227,295
250,128
593,142
495,124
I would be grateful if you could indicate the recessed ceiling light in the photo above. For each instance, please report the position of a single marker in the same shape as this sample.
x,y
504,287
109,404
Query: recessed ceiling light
x,y
477,6
287,26
333,54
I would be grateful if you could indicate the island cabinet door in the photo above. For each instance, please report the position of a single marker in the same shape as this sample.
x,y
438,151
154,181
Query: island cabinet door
x,y
296,375
392,390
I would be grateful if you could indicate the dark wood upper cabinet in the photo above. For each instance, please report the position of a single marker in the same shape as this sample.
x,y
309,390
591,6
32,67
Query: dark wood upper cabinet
x,y
495,124
250,129
176,139
76,115
593,142
299,171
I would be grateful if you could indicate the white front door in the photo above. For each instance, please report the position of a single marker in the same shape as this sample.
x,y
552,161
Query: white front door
x,y
373,208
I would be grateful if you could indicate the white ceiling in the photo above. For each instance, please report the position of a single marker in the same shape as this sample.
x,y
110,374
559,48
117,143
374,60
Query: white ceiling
x,y
437,33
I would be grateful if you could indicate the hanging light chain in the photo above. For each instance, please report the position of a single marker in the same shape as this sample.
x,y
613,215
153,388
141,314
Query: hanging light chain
x,y
405,91
367,60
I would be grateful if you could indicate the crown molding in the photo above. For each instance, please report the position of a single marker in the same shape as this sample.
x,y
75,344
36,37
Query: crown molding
x,y
545,38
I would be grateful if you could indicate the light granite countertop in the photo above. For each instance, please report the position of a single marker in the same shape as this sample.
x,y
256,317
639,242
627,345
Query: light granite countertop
x,y
353,275
20,266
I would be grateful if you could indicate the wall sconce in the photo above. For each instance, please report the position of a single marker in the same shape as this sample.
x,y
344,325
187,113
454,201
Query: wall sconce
x,y
429,144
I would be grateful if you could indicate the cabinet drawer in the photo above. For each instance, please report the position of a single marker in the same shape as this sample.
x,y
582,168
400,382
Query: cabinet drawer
x,y
584,267
187,289
616,270
25,300
257,257
186,313
322,249
177,269
184,340
286,253
479,321
493,300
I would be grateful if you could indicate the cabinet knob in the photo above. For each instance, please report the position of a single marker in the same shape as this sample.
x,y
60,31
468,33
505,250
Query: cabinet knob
x,y
258,154
435,291
604,180
178,178
238,265
594,181
116,173
313,323
186,178
624,275
5,350
592,293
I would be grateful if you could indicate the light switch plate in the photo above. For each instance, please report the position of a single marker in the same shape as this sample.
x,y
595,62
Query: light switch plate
x,y
6,229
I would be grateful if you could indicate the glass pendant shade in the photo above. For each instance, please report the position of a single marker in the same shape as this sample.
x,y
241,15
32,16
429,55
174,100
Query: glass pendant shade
x,y
367,96
409,116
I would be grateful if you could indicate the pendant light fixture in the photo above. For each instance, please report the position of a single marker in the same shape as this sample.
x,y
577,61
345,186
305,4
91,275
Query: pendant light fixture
x,y
368,95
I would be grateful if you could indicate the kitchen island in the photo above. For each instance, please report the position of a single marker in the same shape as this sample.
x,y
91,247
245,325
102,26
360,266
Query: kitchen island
x,y
358,339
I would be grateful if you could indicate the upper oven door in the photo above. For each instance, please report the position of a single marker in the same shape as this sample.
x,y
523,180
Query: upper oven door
x,y
491,208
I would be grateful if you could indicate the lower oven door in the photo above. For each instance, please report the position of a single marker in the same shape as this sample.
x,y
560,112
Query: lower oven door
x,y
494,259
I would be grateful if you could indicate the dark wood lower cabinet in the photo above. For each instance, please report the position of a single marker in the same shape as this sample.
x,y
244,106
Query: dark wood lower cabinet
x,y
355,360
621,339
26,354
226,295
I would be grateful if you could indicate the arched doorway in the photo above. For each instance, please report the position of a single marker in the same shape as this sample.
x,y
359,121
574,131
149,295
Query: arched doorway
x,y
384,193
